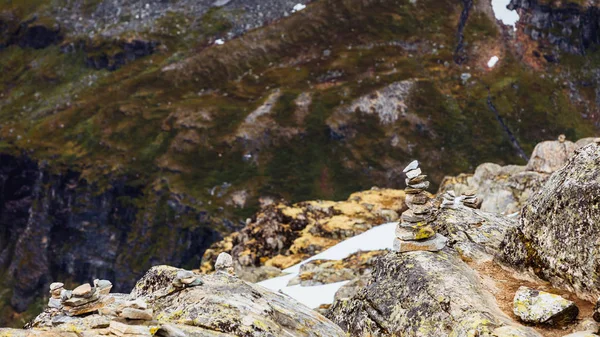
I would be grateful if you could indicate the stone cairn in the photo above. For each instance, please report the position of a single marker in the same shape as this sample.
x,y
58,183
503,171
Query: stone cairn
x,y
186,279
468,199
414,232
81,300
224,264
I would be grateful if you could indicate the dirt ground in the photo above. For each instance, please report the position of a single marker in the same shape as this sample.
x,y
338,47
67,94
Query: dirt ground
x,y
503,284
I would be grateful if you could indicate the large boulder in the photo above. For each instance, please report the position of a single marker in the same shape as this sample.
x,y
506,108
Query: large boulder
x,y
550,156
502,189
560,227
228,305
423,294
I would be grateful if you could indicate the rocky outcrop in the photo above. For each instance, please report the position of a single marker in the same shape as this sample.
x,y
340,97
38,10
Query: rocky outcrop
x,y
505,189
558,230
570,28
422,294
282,235
213,305
59,227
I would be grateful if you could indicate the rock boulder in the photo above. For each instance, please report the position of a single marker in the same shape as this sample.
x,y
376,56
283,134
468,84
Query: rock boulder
x,y
559,228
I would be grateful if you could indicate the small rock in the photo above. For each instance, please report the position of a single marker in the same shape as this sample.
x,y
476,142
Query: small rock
x,y
54,303
534,306
183,274
83,290
596,314
407,232
56,285
188,280
120,329
587,325
65,294
414,173
169,330
582,334
131,313
137,304
224,263
437,243
412,166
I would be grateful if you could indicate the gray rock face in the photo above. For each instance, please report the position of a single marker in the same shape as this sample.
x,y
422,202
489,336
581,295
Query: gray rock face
x,y
421,294
559,228
476,234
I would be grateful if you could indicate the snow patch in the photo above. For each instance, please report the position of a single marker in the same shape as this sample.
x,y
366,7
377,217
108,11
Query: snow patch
x,y
219,42
492,62
503,14
298,8
377,238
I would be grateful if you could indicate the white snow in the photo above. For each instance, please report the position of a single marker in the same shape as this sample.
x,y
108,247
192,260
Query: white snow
x,y
219,42
380,237
503,14
298,8
492,62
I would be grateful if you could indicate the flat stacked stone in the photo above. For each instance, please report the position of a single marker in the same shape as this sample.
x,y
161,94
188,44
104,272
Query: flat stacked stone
x,y
414,232
136,310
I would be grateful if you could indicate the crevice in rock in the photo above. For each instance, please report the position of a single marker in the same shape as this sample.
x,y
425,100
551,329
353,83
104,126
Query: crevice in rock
x,y
509,133
460,56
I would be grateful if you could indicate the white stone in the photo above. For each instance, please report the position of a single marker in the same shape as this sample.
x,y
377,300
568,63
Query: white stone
x,y
413,173
83,290
412,166
56,286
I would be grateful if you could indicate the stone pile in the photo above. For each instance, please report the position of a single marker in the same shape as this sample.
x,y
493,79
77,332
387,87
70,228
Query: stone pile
x,y
185,279
224,264
469,199
415,232
81,300
56,290
449,200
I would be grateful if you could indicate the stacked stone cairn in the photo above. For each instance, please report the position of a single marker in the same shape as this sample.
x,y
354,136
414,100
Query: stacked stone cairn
x,y
56,290
224,264
468,199
83,299
186,279
414,232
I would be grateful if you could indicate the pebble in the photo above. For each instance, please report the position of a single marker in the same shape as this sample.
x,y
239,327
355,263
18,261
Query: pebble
x,y
412,166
